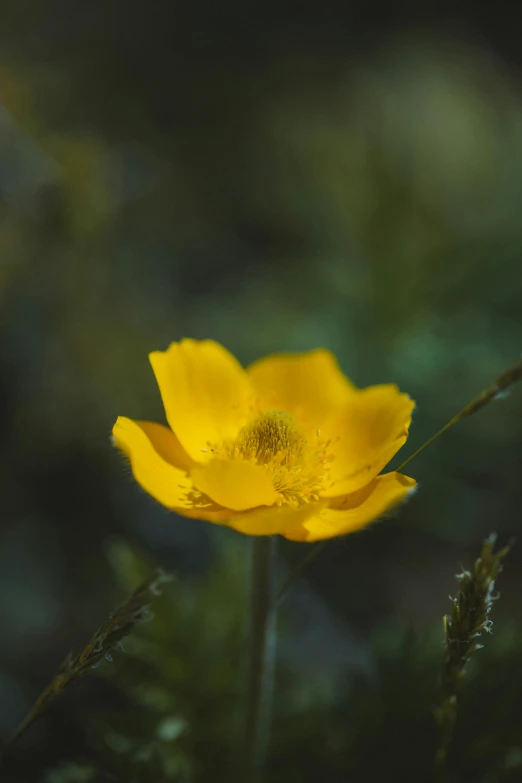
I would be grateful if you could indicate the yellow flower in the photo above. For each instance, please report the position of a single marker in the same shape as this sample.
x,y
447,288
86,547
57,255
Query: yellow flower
x,y
287,445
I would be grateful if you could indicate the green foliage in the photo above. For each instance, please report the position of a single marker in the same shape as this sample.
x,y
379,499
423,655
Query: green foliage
x,y
75,772
182,675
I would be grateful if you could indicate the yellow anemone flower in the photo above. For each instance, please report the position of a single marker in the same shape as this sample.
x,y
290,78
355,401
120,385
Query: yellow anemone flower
x,y
286,446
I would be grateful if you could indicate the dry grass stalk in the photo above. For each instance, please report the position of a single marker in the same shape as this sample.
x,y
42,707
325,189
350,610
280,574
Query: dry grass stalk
x,y
469,619
134,611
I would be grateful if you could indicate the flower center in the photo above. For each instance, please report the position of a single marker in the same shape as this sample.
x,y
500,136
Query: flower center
x,y
273,435
298,466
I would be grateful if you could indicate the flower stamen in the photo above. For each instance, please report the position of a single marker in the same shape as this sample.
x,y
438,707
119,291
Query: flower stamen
x,y
298,467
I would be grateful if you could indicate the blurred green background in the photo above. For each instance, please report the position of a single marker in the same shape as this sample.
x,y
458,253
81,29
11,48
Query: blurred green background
x,y
275,178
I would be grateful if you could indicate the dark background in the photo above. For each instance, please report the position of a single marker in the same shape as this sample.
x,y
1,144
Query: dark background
x,y
275,177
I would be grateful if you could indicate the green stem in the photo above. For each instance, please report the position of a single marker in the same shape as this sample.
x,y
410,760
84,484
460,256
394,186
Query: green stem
x,y
504,381
294,573
510,376
261,656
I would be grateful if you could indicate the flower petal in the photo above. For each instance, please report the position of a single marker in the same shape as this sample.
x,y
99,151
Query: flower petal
x,y
166,444
208,513
366,435
235,485
356,510
273,520
308,384
205,391
154,454
262,521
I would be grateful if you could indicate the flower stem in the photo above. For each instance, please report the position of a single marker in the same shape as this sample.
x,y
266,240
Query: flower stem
x,y
261,656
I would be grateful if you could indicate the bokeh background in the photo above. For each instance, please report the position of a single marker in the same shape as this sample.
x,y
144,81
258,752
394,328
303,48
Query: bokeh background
x,y
275,177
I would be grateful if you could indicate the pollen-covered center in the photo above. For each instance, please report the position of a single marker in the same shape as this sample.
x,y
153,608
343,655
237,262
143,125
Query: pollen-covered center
x,y
298,465
272,435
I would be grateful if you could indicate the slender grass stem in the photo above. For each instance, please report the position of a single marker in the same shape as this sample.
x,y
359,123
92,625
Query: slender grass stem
x,y
510,376
261,656
123,621
313,552
486,396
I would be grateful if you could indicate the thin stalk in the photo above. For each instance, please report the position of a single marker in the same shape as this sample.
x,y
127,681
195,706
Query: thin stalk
x,y
469,619
294,573
486,396
261,656
122,622
510,376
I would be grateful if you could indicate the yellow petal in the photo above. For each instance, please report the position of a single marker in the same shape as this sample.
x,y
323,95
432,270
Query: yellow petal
x,y
365,436
235,485
208,513
355,511
262,521
205,391
275,520
309,384
166,444
150,451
